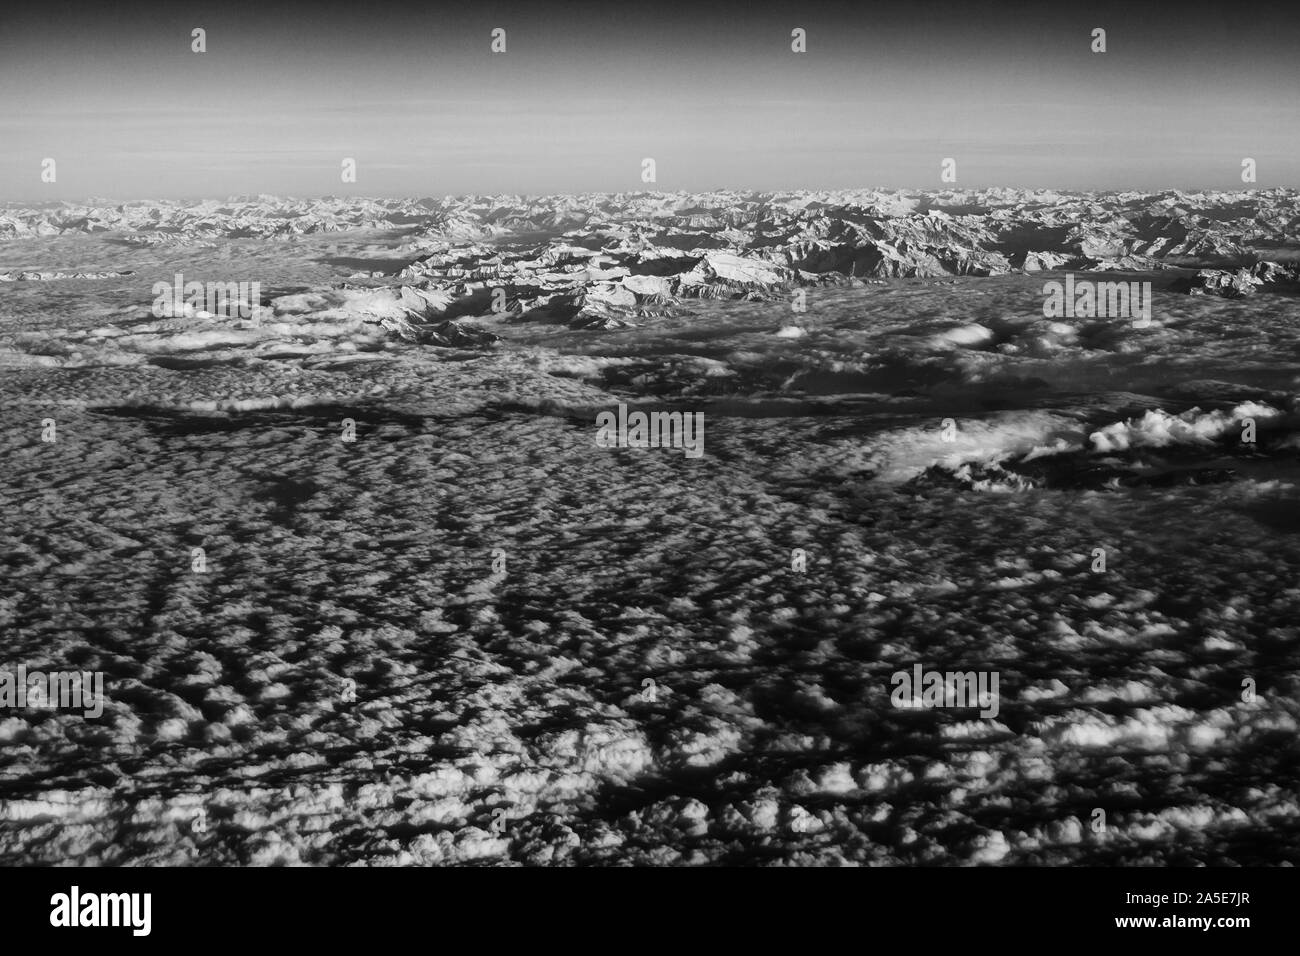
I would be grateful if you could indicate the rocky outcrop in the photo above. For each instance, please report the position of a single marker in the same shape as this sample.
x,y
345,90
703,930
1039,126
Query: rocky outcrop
x,y
1240,283
54,276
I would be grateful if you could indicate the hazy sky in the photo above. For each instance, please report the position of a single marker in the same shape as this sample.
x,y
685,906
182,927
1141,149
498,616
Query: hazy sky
x,y
711,91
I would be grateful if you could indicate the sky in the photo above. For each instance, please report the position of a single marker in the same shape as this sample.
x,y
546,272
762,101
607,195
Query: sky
x,y
584,92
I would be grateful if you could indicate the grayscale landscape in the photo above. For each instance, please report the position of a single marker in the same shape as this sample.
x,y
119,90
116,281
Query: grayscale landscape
x,y
463,632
